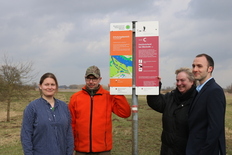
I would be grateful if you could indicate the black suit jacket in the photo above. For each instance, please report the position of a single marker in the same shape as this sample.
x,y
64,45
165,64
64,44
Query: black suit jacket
x,y
207,121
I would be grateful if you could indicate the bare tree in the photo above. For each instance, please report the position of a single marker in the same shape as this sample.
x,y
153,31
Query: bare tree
x,y
14,81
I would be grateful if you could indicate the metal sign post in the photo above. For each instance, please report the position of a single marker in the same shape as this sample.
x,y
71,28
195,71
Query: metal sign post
x,y
134,102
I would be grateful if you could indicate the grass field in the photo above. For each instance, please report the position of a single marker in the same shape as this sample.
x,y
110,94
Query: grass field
x,y
149,128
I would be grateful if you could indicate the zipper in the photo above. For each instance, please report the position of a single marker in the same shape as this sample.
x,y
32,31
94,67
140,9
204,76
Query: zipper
x,y
91,119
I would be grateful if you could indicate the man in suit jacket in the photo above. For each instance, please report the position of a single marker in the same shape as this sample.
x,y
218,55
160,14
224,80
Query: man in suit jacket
x,y
207,112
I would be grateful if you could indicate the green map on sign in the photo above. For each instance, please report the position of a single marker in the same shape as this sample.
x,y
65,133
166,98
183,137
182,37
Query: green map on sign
x,y
121,66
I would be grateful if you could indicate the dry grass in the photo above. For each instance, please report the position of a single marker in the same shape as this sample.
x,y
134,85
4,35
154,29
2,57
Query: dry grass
x,y
149,131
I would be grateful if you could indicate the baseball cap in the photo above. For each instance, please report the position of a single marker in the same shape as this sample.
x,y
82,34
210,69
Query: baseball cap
x,y
93,70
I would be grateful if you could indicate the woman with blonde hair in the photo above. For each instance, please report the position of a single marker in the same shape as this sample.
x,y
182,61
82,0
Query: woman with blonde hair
x,y
174,106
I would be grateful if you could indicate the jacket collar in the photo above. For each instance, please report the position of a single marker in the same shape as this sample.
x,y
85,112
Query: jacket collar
x,y
206,85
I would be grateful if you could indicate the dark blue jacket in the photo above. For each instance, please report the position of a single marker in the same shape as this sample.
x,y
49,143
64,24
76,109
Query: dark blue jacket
x,y
207,121
46,131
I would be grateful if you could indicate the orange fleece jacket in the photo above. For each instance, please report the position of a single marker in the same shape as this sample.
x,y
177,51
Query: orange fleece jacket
x,y
92,118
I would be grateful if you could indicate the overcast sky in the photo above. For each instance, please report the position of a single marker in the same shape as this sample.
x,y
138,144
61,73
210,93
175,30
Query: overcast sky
x,y
66,37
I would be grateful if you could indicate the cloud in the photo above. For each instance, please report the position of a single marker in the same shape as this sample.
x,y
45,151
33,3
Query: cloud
x,y
67,37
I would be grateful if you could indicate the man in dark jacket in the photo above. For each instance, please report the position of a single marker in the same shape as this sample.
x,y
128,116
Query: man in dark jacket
x,y
207,113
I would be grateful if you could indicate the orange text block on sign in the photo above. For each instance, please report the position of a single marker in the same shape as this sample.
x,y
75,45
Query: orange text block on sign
x,y
121,43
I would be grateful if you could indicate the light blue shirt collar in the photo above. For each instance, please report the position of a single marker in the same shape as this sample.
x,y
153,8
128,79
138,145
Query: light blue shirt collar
x,y
199,87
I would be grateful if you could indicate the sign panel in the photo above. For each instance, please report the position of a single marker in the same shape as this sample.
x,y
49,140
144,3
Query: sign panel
x,y
121,58
147,58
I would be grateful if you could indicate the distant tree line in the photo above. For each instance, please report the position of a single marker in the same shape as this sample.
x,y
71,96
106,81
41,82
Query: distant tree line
x,y
228,89
75,86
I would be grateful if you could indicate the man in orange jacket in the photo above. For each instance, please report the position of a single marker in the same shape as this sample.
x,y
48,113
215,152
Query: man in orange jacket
x,y
91,110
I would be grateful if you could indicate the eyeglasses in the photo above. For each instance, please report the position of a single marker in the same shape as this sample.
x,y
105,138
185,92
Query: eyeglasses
x,y
89,79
